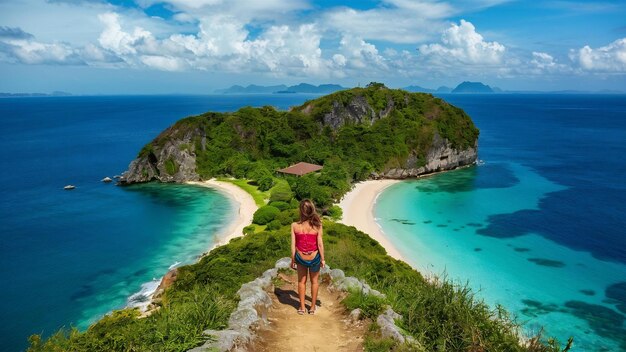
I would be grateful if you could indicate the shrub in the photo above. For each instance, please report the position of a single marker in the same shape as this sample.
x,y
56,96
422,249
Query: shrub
x,y
335,212
280,205
274,225
265,214
288,216
281,192
248,230
265,182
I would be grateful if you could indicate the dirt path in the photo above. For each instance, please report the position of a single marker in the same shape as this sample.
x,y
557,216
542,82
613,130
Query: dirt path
x,y
329,329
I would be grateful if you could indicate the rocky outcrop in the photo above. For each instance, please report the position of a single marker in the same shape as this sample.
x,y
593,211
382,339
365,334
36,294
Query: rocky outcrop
x,y
441,156
357,110
167,281
166,159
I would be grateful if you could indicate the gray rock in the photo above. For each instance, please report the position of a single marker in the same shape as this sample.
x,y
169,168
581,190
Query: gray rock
x,y
355,315
388,327
221,340
157,163
337,274
242,318
283,263
347,283
441,156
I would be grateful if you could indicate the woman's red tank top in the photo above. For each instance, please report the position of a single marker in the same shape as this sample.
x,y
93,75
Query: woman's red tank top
x,y
306,242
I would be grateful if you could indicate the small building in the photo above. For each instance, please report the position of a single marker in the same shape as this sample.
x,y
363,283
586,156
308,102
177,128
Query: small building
x,y
300,169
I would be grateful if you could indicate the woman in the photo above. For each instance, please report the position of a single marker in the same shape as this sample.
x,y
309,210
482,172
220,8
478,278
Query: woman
x,y
307,250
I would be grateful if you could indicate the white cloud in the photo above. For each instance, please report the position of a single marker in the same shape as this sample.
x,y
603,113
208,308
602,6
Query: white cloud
x,y
221,44
395,25
609,58
359,54
163,63
461,44
33,52
115,39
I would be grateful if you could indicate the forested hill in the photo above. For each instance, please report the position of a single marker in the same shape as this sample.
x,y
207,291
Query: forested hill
x,y
355,134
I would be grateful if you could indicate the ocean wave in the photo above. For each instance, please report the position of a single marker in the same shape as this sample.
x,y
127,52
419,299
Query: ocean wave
x,y
142,298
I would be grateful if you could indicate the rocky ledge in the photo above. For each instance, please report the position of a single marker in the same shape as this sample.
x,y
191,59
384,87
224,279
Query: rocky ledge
x,y
441,156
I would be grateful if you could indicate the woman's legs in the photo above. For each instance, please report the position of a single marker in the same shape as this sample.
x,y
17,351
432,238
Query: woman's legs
x,y
314,286
302,270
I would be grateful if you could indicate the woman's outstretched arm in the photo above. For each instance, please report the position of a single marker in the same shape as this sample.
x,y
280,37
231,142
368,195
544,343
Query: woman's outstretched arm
x,y
320,244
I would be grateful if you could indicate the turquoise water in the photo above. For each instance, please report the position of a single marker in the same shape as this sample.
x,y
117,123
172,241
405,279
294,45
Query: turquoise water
x,y
523,228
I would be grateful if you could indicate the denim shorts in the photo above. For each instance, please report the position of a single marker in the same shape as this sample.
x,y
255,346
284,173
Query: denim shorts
x,y
313,264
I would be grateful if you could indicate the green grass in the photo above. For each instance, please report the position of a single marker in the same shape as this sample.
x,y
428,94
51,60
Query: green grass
x,y
260,197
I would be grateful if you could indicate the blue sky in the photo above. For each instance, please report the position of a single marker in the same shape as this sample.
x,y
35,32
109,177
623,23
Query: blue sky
x,y
196,46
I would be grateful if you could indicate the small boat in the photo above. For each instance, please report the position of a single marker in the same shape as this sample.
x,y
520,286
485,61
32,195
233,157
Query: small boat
x,y
117,176
68,187
107,179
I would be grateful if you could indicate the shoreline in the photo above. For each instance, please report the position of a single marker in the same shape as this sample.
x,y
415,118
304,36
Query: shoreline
x,y
246,206
358,211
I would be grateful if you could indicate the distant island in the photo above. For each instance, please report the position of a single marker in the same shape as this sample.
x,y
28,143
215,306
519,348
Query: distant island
x,y
465,87
472,87
17,95
281,89
481,88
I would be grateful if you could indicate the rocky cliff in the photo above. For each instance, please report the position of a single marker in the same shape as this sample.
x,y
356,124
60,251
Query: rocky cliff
x,y
170,157
410,134
441,156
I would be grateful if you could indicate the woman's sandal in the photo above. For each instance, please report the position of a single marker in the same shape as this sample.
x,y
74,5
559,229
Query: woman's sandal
x,y
301,311
311,311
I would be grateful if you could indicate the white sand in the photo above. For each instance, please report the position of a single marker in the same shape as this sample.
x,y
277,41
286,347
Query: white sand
x,y
246,208
358,211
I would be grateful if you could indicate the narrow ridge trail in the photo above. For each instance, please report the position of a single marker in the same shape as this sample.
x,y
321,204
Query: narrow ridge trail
x,y
329,329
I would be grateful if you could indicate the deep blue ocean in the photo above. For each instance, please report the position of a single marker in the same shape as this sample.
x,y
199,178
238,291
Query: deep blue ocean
x,y
69,257
539,225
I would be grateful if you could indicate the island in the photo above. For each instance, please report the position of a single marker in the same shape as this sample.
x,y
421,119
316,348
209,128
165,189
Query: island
x,y
273,159
281,89
472,87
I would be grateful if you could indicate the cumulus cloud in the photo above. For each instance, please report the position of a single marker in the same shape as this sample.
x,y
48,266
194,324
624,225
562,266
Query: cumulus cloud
x,y
404,22
16,45
359,54
221,43
608,59
461,44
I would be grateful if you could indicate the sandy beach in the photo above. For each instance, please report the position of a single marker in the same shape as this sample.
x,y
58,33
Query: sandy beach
x,y
358,211
245,205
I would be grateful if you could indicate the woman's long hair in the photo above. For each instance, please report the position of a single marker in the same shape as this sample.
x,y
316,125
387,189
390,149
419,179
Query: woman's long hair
x,y
308,213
